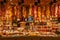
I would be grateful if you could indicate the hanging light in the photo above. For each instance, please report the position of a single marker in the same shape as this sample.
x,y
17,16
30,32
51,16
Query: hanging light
x,y
4,1
54,1
51,2
19,3
38,1
1,2
22,1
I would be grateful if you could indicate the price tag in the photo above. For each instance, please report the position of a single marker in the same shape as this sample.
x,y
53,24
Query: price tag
x,y
30,19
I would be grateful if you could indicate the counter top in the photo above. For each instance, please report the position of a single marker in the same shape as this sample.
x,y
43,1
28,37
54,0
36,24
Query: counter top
x,y
30,38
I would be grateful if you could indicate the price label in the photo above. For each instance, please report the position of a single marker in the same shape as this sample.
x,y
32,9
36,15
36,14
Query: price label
x,y
30,19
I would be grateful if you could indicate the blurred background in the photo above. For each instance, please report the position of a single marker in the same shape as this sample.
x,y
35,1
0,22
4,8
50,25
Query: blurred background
x,y
30,17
